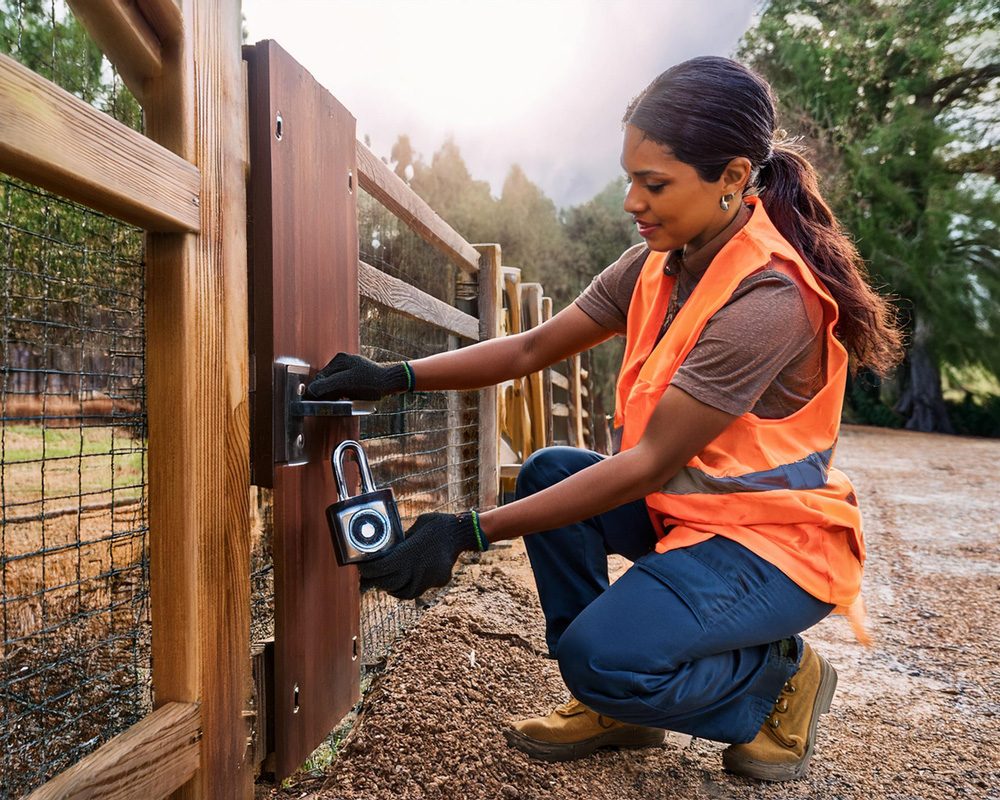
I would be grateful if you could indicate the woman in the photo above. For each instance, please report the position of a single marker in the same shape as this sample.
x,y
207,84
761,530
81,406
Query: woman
x,y
740,313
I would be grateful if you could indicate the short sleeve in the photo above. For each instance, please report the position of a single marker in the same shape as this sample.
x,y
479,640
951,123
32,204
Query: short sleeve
x,y
606,299
748,342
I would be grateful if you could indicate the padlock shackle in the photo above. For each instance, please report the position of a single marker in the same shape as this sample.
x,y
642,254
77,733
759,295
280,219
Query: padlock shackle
x,y
337,461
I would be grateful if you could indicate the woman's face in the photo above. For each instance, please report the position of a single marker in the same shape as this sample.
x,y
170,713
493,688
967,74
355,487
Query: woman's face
x,y
671,204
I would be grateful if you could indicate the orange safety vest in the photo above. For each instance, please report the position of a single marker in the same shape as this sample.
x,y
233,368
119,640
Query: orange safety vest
x,y
768,484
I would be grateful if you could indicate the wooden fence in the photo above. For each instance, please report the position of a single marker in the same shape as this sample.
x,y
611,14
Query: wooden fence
x,y
551,407
210,367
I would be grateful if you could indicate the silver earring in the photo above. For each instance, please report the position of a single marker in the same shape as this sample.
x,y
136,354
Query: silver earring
x,y
724,202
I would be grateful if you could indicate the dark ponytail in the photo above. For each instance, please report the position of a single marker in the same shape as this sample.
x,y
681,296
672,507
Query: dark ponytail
x,y
710,110
789,189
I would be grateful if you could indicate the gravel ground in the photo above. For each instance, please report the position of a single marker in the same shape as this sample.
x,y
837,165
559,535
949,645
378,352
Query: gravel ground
x,y
917,715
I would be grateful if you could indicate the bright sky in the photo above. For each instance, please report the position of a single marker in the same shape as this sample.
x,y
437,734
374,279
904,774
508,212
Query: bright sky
x,y
541,83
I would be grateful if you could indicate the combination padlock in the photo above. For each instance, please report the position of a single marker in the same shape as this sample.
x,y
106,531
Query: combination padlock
x,y
366,525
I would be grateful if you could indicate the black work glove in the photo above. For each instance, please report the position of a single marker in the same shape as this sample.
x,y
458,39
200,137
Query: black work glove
x,y
426,555
351,377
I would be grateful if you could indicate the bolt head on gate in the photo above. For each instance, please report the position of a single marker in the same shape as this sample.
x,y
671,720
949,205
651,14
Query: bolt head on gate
x,y
364,526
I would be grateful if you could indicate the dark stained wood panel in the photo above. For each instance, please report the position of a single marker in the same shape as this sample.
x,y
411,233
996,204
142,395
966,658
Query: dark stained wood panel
x,y
304,279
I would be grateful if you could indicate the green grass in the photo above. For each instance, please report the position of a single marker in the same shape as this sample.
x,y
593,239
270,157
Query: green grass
x,y
28,442
61,462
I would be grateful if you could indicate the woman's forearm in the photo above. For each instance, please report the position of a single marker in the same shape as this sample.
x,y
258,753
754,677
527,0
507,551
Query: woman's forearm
x,y
495,360
482,364
609,483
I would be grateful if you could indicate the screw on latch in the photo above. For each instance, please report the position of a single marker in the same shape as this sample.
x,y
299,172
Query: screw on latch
x,y
350,182
295,700
300,441
278,127
354,648
301,390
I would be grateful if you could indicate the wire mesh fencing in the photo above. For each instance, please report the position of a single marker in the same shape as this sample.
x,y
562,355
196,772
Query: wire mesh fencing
x,y
74,599
424,446
73,566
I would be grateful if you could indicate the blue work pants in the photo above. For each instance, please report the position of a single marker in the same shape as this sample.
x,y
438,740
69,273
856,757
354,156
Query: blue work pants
x,y
689,640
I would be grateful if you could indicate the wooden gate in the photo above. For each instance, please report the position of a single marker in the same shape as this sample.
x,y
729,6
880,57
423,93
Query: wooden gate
x,y
304,306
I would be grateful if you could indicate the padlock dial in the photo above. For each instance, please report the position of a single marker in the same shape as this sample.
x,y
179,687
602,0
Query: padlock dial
x,y
368,530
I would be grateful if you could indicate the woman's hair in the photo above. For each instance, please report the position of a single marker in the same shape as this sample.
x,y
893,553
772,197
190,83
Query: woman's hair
x,y
710,110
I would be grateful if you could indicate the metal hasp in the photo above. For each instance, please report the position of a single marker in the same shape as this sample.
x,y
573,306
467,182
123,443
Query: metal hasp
x,y
290,410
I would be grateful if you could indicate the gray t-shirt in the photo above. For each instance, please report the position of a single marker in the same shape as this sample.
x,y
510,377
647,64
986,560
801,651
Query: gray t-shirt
x,y
761,352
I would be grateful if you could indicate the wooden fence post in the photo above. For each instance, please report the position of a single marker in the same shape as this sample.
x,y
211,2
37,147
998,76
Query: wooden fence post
x,y
531,317
490,314
576,403
196,296
547,382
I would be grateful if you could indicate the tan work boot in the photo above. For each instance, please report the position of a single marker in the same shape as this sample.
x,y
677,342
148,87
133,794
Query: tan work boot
x,y
782,748
573,731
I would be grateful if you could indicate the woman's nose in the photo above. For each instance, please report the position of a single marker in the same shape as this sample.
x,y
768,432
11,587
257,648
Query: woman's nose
x,y
633,201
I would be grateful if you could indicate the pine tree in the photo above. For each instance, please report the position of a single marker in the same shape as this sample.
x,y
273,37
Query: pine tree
x,y
901,100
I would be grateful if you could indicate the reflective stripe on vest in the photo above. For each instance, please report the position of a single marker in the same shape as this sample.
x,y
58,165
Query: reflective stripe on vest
x,y
808,473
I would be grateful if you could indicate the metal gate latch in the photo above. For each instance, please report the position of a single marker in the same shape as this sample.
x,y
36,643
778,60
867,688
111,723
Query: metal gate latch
x,y
290,408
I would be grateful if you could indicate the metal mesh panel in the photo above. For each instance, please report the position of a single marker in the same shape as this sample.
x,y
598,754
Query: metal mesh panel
x,y
423,445
390,245
74,610
73,565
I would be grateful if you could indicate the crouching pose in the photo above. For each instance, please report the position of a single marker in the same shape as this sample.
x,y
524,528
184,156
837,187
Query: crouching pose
x,y
740,313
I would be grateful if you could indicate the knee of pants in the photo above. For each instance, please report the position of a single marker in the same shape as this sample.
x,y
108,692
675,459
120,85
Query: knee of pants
x,y
547,466
579,656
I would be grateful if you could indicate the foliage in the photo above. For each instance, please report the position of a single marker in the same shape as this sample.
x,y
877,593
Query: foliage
x,y
900,99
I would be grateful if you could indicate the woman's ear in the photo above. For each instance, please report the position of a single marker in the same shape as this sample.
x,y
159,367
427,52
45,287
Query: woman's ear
x,y
736,175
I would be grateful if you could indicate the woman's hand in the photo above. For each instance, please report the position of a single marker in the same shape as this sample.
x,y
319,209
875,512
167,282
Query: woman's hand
x,y
351,377
426,555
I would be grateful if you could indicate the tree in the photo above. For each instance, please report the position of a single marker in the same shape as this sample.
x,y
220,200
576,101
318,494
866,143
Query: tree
x,y
900,98
449,188
530,232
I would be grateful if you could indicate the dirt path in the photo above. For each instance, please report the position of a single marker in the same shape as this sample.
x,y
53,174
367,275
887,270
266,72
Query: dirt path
x,y
915,716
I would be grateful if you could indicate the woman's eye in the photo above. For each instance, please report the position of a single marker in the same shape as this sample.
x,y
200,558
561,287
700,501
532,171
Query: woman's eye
x,y
655,187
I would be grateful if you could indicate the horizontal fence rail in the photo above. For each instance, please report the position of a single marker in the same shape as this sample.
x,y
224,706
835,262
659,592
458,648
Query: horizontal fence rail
x,y
392,192
57,141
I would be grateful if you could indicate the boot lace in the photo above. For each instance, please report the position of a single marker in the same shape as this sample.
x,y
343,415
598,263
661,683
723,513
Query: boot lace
x,y
773,722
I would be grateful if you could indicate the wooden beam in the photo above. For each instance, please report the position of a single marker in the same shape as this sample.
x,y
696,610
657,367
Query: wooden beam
x,y
550,427
119,28
54,140
164,17
390,190
531,302
576,404
518,413
150,760
560,410
490,317
510,471
413,303
197,387
560,380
